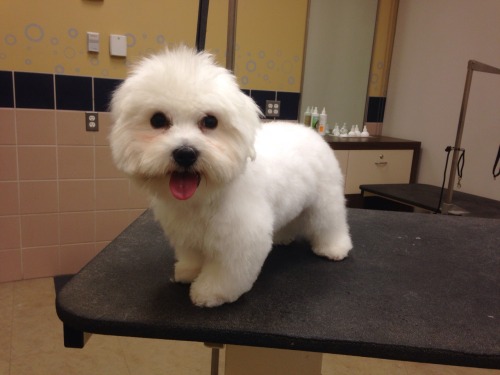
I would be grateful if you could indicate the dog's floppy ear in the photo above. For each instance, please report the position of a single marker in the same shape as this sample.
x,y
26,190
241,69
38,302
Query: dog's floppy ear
x,y
251,115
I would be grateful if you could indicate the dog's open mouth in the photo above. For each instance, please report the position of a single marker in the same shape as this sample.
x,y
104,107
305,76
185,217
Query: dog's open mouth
x,y
183,185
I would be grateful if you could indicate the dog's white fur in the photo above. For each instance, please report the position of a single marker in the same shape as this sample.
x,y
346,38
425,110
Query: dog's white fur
x,y
259,183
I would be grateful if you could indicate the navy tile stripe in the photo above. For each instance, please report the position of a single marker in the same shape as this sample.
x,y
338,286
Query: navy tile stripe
x,y
74,93
6,89
48,91
376,109
34,90
289,105
103,90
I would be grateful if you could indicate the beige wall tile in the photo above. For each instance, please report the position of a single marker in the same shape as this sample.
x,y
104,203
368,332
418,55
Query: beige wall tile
x,y
75,162
99,246
77,227
10,265
138,197
71,129
110,224
135,213
74,257
102,136
37,197
40,262
7,126
76,195
39,230
8,163
37,163
9,198
112,194
10,232
36,127
104,166
59,187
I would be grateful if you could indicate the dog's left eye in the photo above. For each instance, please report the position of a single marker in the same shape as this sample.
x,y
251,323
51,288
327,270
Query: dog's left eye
x,y
159,120
209,122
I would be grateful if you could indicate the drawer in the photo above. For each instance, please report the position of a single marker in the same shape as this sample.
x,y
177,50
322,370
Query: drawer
x,y
377,167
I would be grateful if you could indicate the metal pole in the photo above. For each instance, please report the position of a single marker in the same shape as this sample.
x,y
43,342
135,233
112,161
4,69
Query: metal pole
x,y
231,34
471,66
214,365
458,140
201,29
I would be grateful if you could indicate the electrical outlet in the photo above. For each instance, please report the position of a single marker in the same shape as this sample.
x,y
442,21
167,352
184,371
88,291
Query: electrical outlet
x,y
91,121
273,108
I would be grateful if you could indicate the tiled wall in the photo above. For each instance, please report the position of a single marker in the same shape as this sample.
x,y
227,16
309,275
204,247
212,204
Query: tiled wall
x,y
61,198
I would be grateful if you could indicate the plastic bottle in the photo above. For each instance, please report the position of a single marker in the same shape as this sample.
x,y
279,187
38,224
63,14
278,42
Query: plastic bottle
x,y
322,122
336,130
343,130
314,118
307,117
351,133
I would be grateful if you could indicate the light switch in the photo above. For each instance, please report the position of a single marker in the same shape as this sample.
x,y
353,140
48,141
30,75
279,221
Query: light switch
x,y
92,42
118,45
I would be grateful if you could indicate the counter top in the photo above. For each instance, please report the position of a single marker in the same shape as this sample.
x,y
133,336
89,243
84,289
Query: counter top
x,y
370,143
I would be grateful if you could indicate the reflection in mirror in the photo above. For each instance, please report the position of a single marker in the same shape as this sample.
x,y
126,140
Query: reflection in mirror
x,y
337,59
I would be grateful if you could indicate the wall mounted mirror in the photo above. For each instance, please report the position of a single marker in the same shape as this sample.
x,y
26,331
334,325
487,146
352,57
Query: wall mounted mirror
x,y
338,52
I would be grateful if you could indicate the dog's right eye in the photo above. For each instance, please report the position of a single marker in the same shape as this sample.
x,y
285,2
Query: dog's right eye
x,y
159,120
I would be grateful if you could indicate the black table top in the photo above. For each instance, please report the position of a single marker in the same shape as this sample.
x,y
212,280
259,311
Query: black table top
x,y
415,287
427,197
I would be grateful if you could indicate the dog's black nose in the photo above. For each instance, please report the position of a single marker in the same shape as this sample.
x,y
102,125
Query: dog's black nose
x,y
185,156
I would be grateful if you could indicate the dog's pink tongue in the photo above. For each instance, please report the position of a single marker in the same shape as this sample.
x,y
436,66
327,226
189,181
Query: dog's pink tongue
x,y
183,184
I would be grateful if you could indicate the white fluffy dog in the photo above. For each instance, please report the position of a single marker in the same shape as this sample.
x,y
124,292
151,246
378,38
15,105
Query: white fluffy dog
x,y
223,186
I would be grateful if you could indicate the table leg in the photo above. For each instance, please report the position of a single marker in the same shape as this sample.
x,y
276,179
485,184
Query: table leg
x,y
74,338
246,360
214,366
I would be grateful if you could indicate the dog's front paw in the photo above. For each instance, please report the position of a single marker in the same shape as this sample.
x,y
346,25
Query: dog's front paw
x,y
204,298
212,291
335,251
185,272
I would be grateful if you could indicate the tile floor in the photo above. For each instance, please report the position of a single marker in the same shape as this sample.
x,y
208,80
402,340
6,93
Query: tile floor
x,y
31,343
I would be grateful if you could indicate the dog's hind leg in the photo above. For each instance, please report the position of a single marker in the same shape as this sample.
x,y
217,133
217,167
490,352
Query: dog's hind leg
x,y
327,228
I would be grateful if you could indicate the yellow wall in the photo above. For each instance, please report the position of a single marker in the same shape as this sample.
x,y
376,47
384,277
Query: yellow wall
x,y
270,43
382,47
50,36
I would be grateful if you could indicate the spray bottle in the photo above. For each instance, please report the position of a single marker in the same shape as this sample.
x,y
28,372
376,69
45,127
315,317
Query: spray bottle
x,y
307,117
322,122
314,118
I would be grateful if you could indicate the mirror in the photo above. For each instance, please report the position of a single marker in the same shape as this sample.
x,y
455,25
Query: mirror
x,y
338,52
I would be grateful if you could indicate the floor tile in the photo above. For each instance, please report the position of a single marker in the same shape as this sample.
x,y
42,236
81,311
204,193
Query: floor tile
x,y
31,342
158,357
349,365
6,312
428,369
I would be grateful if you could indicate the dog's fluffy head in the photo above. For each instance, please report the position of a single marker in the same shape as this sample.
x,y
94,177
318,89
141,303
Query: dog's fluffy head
x,y
181,120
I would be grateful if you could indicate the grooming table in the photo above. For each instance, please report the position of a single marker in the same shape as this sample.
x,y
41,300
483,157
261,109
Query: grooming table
x,y
427,197
416,287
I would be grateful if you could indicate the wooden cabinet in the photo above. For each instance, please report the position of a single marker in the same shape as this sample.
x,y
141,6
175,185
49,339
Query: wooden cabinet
x,y
375,160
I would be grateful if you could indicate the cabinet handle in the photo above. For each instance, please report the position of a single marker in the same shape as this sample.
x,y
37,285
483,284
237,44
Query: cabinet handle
x,y
380,163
